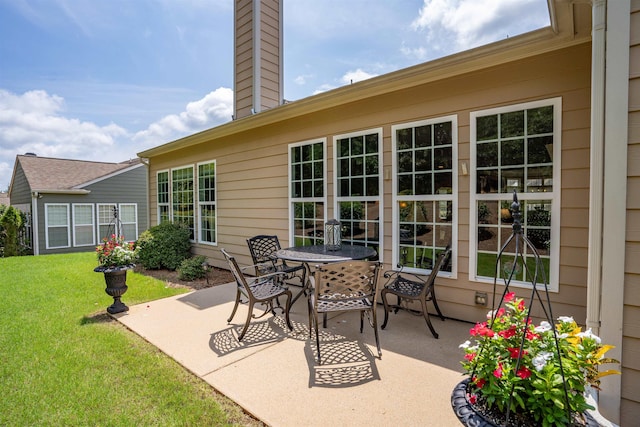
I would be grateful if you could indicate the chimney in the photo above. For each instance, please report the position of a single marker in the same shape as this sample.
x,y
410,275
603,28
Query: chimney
x,y
258,56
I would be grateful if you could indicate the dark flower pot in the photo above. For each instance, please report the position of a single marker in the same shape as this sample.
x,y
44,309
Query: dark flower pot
x,y
470,416
116,281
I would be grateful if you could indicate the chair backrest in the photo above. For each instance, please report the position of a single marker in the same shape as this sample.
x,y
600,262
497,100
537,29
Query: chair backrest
x,y
346,280
241,281
262,249
440,262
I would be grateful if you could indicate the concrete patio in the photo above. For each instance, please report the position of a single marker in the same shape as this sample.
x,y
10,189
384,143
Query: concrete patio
x,y
273,374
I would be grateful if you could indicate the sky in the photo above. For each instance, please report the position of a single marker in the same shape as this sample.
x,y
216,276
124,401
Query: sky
x,y
103,80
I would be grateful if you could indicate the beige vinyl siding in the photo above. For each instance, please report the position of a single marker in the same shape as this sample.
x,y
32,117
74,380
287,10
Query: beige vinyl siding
x,y
270,55
252,166
243,57
630,403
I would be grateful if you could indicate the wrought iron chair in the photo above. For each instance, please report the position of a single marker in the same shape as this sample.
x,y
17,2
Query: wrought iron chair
x,y
415,289
259,290
345,286
262,249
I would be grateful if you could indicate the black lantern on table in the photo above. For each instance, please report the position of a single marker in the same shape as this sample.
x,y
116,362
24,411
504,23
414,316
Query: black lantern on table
x,y
332,235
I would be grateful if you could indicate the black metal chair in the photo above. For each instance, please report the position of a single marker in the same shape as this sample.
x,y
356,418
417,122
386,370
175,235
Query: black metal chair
x,y
415,289
345,286
262,249
259,290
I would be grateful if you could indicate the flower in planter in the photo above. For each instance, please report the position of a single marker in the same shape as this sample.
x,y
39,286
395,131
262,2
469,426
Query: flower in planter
x,y
115,252
513,366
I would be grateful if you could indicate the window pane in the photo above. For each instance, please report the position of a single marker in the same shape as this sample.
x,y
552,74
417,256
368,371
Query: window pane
x,y
487,128
487,154
512,152
540,120
512,124
539,150
423,136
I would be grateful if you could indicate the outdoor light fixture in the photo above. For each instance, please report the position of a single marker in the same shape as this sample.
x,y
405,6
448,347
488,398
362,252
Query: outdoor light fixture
x,y
332,235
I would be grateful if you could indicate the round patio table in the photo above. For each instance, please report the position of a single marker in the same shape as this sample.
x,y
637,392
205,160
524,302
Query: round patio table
x,y
320,253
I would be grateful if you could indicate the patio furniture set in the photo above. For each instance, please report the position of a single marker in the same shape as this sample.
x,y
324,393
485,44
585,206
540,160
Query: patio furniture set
x,y
333,279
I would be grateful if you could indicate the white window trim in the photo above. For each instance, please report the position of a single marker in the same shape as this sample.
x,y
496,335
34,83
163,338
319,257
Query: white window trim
x,y
453,197
554,261
293,200
380,198
194,196
98,223
46,225
168,204
93,225
135,208
198,203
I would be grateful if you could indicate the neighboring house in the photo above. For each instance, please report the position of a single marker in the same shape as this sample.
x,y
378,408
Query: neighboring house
x,y
70,203
415,159
4,199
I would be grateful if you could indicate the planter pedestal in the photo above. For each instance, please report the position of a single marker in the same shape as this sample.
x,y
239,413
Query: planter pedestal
x,y
116,282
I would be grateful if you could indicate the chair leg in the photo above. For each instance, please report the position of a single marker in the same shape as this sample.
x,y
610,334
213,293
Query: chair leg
x,y
286,311
361,320
235,307
375,329
425,313
317,336
246,324
383,294
435,304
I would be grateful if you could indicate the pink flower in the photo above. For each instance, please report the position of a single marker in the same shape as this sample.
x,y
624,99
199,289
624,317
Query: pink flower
x,y
498,372
469,356
509,296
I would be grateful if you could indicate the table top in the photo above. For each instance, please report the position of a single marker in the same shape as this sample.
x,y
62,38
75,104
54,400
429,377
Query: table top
x,y
320,253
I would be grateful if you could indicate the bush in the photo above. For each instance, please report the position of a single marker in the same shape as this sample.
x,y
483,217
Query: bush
x,y
164,246
11,221
192,268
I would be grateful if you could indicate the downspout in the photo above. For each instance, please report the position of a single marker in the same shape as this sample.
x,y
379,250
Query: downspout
x,y
596,176
35,223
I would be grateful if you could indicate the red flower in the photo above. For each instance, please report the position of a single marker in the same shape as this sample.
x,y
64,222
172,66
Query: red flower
x,y
521,305
480,382
530,335
509,296
523,373
515,352
469,356
472,399
508,333
498,372
482,330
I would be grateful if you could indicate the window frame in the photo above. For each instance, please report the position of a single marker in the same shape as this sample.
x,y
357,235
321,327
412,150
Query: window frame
x,y
294,200
47,226
74,207
207,203
193,228
337,199
123,222
166,205
453,197
554,196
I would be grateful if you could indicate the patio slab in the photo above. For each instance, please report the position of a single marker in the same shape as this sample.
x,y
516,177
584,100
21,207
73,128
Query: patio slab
x,y
273,374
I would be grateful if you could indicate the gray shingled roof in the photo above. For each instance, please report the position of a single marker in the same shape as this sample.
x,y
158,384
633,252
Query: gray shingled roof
x,y
45,173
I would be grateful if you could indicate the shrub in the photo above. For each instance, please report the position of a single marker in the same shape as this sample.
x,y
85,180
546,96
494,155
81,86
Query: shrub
x,y
164,246
192,268
11,221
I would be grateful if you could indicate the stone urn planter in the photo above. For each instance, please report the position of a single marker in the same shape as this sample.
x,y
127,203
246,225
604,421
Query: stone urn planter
x,y
116,285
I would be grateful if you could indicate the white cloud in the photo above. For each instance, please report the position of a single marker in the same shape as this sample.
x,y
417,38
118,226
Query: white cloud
x,y
32,122
356,76
471,23
213,109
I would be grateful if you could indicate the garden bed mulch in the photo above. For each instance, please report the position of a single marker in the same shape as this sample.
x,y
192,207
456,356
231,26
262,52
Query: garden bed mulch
x,y
217,276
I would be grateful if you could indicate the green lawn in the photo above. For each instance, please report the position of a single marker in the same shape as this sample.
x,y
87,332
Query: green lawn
x,y
65,362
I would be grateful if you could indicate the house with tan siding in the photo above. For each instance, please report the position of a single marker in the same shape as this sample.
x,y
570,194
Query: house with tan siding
x,y
430,155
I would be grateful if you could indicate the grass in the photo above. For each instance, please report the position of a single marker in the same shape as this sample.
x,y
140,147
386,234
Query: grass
x,y
64,361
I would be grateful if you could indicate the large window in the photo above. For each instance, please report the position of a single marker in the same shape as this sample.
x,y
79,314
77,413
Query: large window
x,y
424,193
128,214
307,191
207,202
163,197
182,197
358,187
515,148
127,225
83,225
57,225
189,198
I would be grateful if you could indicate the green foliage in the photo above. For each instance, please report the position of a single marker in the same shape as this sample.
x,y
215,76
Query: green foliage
x,y
65,362
192,268
164,246
11,221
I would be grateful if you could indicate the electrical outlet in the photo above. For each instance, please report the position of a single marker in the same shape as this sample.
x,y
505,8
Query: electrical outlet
x,y
481,298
